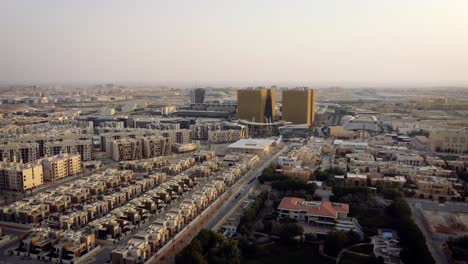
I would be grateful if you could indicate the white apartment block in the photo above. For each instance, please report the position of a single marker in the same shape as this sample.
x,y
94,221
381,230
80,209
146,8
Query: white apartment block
x,y
20,177
61,166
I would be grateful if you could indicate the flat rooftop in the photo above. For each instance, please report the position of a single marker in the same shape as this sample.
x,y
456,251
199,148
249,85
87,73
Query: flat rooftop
x,y
250,143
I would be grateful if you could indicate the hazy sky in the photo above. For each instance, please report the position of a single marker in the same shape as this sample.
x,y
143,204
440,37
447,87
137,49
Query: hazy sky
x,y
252,41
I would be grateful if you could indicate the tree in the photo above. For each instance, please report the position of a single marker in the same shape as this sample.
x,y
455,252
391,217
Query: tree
x,y
414,248
338,240
458,247
288,232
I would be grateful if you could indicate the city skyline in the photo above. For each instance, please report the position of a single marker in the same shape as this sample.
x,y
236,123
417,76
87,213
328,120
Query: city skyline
x,y
363,43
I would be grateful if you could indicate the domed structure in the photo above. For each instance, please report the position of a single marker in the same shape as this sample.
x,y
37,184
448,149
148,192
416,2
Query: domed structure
x,y
345,119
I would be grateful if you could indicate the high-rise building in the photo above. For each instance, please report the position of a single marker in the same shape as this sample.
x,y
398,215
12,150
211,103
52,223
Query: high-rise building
x,y
19,151
256,104
298,105
197,96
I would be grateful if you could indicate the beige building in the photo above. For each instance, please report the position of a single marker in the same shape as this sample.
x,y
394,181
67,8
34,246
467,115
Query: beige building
x,y
20,177
252,146
340,133
299,105
61,166
256,104
126,149
301,173
155,146
83,147
433,185
453,141
19,151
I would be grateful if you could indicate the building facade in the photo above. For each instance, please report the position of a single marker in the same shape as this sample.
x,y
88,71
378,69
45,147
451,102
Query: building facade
x,y
20,177
256,104
197,96
299,105
127,149
61,166
452,141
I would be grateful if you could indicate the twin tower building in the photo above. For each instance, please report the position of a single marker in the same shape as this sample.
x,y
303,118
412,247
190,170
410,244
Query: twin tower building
x,y
259,105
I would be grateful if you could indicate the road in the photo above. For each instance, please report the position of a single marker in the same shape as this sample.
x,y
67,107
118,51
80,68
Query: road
x,y
434,240
215,212
244,188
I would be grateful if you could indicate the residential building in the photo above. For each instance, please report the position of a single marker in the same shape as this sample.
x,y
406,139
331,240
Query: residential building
x,y
224,136
197,96
389,182
356,179
324,213
19,151
20,177
155,146
200,131
433,185
127,149
450,140
71,146
302,173
61,166
410,159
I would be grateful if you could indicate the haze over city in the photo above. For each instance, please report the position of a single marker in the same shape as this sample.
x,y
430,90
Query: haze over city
x,y
235,43
234,132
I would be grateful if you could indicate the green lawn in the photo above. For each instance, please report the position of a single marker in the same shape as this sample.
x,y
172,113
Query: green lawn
x,y
297,254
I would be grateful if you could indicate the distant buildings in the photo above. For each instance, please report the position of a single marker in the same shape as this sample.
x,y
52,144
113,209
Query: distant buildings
x,y
452,141
299,105
171,137
225,136
19,151
197,96
256,104
61,166
431,185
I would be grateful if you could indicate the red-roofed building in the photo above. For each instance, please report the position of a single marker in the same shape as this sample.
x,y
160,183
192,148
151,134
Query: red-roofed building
x,y
321,213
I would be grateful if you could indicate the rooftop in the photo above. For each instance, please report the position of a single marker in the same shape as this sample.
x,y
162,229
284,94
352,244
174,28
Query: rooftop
x,y
325,209
252,143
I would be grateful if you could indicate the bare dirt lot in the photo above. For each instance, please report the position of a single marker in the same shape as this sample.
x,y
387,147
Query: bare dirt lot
x,y
450,223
